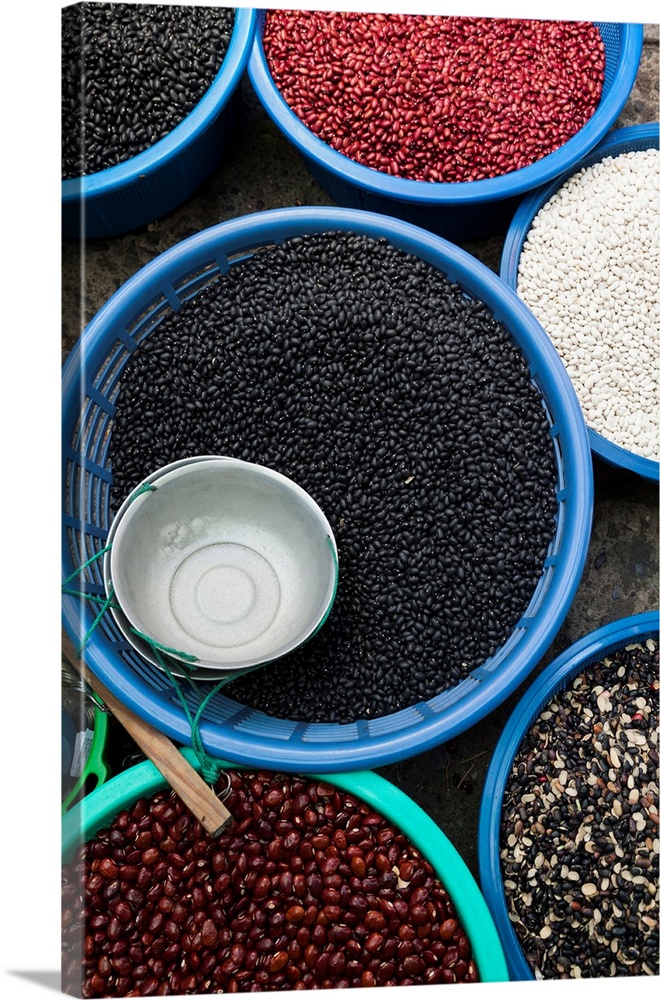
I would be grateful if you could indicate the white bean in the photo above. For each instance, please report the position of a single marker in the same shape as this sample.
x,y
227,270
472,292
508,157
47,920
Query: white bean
x,y
590,271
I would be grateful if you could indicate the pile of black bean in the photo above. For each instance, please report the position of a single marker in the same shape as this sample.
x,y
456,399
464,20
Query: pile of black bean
x,y
579,834
407,412
130,74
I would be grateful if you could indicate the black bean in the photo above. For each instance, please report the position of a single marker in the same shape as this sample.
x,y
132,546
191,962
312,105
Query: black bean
x,y
130,74
433,577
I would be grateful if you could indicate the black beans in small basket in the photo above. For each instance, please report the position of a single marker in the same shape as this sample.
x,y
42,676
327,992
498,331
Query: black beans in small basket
x,y
579,835
406,411
130,74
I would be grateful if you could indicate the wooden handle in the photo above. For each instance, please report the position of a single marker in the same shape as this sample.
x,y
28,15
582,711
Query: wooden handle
x,y
180,775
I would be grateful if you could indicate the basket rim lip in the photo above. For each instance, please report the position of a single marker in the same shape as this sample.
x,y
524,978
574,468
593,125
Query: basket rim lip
x,y
393,804
614,142
182,136
461,193
353,748
556,675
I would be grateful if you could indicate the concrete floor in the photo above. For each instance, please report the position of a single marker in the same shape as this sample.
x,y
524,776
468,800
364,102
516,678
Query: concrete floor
x,y
621,573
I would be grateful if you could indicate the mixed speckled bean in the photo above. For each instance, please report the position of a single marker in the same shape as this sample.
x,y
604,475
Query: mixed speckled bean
x,y
311,888
406,411
436,98
579,834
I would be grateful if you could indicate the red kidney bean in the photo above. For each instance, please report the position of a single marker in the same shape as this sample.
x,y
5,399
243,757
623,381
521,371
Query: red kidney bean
x,y
533,72
374,920
278,961
319,935
339,934
336,964
108,869
97,984
299,885
382,863
419,916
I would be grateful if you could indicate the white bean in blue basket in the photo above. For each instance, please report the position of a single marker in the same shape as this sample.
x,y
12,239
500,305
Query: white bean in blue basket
x,y
589,270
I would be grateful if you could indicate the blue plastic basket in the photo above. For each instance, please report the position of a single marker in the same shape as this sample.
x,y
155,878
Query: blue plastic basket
x,y
159,179
556,677
91,381
623,140
465,210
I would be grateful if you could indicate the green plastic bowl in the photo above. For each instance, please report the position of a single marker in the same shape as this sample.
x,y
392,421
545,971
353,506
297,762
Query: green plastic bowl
x,y
97,810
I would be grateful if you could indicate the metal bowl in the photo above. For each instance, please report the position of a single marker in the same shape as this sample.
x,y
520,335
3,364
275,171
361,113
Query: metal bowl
x,y
224,564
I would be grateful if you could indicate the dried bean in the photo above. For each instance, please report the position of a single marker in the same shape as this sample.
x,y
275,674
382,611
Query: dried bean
x,y
134,53
436,98
429,452
199,941
574,901
612,205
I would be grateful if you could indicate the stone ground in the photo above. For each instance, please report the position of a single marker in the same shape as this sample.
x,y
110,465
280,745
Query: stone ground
x,y
620,576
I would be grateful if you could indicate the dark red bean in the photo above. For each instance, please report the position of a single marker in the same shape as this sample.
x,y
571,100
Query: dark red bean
x,y
447,929
419,916
97,984
108,868
339,934
273,936
278,961
386,971
358,866
374,920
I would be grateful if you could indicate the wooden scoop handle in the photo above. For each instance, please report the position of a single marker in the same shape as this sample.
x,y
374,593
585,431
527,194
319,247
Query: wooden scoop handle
x,y
180,775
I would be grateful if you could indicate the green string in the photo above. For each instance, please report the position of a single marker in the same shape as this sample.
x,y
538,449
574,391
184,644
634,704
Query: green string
x,y
92,598
88,562
104,607
165,649
210,770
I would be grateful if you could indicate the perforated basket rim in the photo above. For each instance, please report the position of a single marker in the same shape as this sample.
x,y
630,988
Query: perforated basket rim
x,y
622,140
445,193
182,137
588,650
251,737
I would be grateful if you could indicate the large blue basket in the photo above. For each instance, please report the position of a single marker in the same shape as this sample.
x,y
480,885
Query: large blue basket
x,y
556,677
158,180
91,382
623,140
462,211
